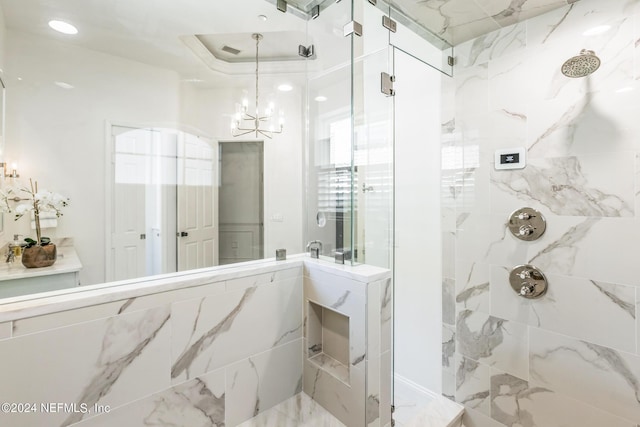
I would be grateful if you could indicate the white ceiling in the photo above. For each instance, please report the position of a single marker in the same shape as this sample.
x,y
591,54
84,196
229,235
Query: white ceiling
x,y
186,35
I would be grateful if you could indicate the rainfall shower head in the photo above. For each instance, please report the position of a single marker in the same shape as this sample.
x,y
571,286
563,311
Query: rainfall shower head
x,y
582,65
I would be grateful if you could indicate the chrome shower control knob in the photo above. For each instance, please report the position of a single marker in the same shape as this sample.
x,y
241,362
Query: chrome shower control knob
x,y
528,282
527,289
526,230
524,274
527,224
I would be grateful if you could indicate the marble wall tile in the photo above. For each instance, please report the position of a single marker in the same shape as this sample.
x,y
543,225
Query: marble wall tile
x,y
472,83
491,46
575,246
474,292
100,311
555,410
197,402
345,299
448,348
637,321
473,384
568,306
263,381
448,301
449,253
509,94
571,22
493,341
636,50
212,332
386,315
373,403
274,277
320,276
518,402
449,385
596,186
374,318
637,206
473,418
6,330
597,375
110,362
345,402
386,380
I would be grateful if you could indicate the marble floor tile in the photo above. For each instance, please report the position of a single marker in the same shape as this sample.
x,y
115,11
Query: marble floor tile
x,y
297,411
418,408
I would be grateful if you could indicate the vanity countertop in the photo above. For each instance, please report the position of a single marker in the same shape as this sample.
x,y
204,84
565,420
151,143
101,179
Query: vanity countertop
x,y
67,262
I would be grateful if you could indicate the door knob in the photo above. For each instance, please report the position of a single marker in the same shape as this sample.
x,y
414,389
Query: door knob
x,y
184,234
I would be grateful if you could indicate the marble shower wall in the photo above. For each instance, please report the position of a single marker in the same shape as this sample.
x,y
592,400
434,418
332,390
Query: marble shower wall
x,y
571,358
215,354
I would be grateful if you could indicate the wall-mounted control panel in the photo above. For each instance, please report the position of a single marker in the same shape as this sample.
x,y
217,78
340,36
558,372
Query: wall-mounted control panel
x,y
527,224
528,282
510,158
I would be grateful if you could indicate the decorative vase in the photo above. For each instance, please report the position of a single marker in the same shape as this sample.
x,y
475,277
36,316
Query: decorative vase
x,y
39,256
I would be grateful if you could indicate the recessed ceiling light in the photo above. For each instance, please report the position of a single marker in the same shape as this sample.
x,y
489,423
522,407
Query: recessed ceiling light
x,y
320,98
63,27
285,87
64,85
600,29
192,80
262,17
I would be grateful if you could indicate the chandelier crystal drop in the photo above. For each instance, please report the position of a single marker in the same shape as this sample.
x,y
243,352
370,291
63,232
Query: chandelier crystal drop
x,y
244,123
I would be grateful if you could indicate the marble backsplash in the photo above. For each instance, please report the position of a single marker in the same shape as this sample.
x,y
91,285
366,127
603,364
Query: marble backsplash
x,y
571,358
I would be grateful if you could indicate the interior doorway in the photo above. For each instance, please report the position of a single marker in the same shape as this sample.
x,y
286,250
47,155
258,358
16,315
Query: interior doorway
x,y
241,211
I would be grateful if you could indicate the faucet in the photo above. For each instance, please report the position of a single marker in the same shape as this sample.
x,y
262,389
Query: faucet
x,y
315,248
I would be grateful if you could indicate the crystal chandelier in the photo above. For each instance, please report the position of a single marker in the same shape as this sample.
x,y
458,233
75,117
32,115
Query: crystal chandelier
x,y
244,123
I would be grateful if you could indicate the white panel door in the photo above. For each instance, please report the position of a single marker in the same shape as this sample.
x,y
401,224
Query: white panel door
x,y
131,175
197,203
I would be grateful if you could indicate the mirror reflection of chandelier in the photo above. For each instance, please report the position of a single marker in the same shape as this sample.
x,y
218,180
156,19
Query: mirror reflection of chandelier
x,y
244,123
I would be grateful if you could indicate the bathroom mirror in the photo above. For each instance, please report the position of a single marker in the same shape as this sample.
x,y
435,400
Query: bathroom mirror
x,y
138,103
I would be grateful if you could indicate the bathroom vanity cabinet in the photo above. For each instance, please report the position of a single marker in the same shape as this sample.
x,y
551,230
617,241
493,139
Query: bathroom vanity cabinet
x,y
16,279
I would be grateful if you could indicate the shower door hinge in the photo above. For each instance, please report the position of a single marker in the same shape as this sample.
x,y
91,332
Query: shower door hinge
x,y
352,27
315,12
307,52
386,84
389,24
451,61
282,5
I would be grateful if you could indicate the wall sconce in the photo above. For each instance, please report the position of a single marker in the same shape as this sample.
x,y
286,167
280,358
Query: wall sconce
x,y
10,173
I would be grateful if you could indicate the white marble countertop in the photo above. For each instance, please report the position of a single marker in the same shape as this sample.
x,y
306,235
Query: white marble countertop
x,y
67,262
68,299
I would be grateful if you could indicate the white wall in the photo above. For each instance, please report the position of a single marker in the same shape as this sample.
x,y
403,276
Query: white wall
x,y
417,268
57,136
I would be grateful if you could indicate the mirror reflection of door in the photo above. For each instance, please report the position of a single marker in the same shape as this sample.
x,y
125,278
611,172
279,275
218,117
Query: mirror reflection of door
x,y
197,203
164,203
132,160
241,201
